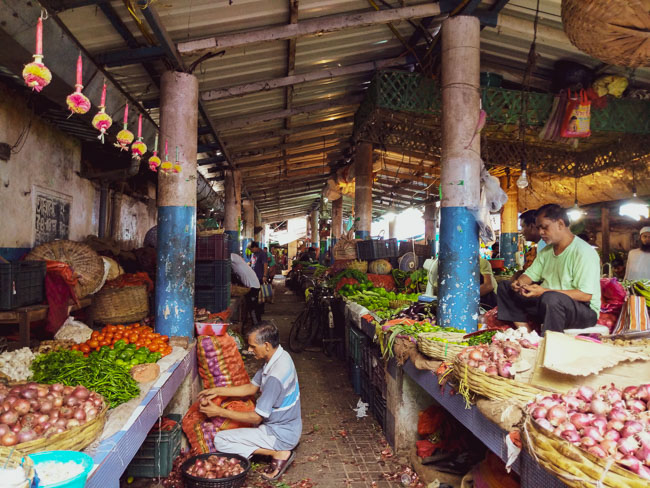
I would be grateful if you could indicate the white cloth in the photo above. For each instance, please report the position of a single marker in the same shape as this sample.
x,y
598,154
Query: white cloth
x,y
244,441
638,265
244,271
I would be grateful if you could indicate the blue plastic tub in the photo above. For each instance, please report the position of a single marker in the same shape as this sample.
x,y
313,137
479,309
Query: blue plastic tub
x,y
78,481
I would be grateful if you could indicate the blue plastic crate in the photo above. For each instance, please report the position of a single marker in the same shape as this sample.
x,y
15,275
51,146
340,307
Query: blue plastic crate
x,y
157,453
212,273
215,299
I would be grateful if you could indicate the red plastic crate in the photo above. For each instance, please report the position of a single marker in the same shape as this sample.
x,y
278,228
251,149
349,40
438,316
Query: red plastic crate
x,y
212,248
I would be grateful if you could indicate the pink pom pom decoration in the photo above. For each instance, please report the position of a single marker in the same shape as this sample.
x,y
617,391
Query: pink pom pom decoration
x,y
36,75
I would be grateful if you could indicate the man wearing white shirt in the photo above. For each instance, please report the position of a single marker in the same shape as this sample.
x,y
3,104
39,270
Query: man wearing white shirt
x,y
638,260
249,279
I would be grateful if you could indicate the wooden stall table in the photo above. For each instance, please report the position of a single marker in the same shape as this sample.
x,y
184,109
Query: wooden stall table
x,y
24,316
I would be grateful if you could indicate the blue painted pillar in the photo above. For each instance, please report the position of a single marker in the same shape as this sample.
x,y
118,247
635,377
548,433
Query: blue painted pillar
x,y
177,207
363,190
232,204
458,275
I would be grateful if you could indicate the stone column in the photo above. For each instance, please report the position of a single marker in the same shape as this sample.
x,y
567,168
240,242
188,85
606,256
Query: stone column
x,y
337,225
232,216
431,216
509,223
315,234
460,174
248,209
391,226
179,102
363,189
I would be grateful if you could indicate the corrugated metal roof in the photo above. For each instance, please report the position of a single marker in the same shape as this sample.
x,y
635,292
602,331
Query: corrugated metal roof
x,y
504,50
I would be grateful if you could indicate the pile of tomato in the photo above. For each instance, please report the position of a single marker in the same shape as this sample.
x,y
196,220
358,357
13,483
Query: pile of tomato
x,y
140,335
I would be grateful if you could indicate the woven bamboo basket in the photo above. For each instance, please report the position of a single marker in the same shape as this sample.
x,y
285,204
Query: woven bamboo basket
x,y
399,303
358,265
86,264
573,466
613,31
120,305
17,459
74,439
493,387
238,291
440,350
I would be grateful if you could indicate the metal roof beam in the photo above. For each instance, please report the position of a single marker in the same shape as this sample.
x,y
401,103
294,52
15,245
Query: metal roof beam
x,y
211,160
246,166
129,56
295,174
309,27
245,121
246,88
260,151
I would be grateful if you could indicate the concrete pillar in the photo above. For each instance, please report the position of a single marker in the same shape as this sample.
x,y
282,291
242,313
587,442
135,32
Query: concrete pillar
x,y
232,215
460,174
509,223
248,209
431,217
337,225
315,234
179,103
392,223
363,189
259,225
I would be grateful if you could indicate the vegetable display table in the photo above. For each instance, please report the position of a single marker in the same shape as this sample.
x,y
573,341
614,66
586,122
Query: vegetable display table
x,y
113,454
24,316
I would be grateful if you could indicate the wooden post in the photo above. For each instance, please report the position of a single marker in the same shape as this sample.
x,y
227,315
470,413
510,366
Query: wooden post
x,y
460,174
363,189
604,227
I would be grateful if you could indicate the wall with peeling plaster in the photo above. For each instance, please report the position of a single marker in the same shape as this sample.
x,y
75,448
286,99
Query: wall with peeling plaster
x,y
136,217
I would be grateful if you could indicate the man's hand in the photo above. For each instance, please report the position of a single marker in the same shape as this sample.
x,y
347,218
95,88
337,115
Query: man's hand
x,y
517,286
209,393
532,291
212,410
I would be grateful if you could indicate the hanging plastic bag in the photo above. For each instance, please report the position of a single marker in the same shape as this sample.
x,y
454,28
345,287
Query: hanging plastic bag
x,y
577,116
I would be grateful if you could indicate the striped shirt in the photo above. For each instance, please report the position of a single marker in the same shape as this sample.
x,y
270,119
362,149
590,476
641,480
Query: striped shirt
x,y
279,403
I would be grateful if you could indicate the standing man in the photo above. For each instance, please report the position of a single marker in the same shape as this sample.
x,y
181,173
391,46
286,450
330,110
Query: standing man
x,y
561,289
277,418
249,279
259,261
638,260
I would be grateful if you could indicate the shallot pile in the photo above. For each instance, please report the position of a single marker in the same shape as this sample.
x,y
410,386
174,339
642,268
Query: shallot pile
x,y
495,359
215,467
604,422
32,411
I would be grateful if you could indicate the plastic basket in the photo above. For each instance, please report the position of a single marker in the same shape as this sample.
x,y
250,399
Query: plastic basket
x,y
213,273
21,284
215,299
356,343
157,453
7,287
78,481
422,250
232,482
212,248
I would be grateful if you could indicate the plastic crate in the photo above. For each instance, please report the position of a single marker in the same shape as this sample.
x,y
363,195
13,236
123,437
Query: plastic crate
x,y
366,360
212,273
378,375
7,287
422,250
215,299
212,248
391,248
157,453
378,410
21,284
356,343
354,373
367,390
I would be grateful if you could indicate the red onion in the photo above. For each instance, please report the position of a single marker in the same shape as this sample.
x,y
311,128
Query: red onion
x,y
587,441
54,414
79,414
618,414
619,404
22,406
643,393
612,435
26,435
585,393
42,391
65,412
637,406
476,355
613,395
472,363
593,433
42,418
644,438
58,402
557,415
600,422
510,352
644,472
29,394
504,369
4,428
629,392
482,367
72,423
571,402
81,392
567,426
59,430
571,435
9,439
67,390
632,463
547,402
539,413
72,401
45,406
10,400
61,423
643,453
545,424
56,387
580,420
630,428
628,446
599,407
91,413
10,417
492,370
597,451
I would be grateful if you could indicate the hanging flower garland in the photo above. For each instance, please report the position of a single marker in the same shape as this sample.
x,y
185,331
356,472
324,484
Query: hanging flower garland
x,y
36,74
125,136
154,161
102,121
77,102
167,166
177,165
138,148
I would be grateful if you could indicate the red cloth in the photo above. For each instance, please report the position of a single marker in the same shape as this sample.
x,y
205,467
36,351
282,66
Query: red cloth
x,y
133,279
58,293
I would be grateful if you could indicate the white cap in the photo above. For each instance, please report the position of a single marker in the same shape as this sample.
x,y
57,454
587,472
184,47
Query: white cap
x,y
644,230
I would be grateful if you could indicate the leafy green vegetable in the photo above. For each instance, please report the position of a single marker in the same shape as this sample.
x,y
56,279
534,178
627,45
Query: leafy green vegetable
x,y
484,338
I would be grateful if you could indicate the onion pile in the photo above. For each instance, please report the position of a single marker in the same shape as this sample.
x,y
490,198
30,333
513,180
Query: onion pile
x,y
606,422
215,467
175,478
495,359
33,411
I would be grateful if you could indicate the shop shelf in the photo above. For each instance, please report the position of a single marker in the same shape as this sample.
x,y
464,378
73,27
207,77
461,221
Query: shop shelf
x,y
215,299
213,273
157,453
211,248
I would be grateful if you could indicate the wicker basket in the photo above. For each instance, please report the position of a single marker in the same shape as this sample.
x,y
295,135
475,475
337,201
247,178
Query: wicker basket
x,y
120,305
358,265
238,291
442,351
613,31
17,460
86,264
74,439
573,466
493,387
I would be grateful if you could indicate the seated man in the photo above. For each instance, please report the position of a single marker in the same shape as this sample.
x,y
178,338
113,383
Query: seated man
x,y
277,412
561,289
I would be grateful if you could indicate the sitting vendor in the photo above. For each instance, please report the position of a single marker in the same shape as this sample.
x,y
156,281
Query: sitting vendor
x,y
487,288
277,420
561,289
638,260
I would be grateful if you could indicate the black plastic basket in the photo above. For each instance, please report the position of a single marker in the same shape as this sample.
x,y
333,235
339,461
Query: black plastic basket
x,y
21,284
212,273
211,248
215,299
232,482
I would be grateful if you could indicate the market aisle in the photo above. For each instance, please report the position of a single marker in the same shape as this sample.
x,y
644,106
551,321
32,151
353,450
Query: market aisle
x,y
336,449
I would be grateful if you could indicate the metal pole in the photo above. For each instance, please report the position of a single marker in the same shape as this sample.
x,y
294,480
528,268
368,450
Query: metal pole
x,y
363,189
177,206
460,176
232,217
509,223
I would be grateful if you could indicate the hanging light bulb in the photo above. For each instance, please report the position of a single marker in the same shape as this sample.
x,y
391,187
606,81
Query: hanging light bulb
x,y
575,213
522,181
634,208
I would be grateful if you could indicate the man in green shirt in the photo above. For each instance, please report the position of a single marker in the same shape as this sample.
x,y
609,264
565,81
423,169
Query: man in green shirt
x,y
561,289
